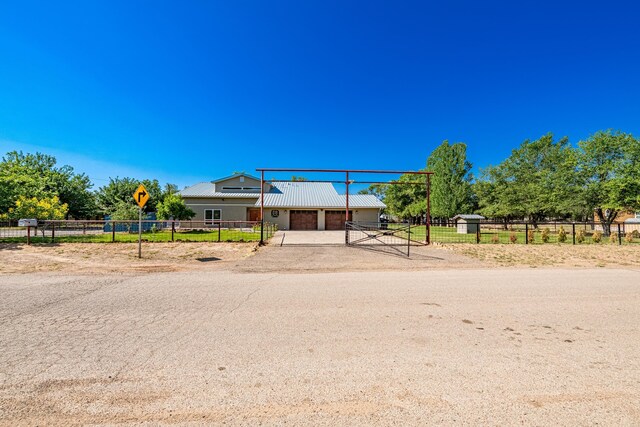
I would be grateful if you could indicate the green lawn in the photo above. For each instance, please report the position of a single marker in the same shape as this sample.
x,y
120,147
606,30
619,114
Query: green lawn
x,y
450,235
226,235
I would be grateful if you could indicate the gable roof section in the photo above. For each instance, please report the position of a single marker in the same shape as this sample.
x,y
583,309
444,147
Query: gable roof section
x,y
207,189
235,175
302,194
291,195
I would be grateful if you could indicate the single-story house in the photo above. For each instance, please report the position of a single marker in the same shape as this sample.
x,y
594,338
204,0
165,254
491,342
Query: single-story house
x,y
297,205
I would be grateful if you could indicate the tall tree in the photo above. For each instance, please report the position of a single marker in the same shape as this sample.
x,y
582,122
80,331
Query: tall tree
x,y
451,182
122,189
408,201
37,176
610,167
539,180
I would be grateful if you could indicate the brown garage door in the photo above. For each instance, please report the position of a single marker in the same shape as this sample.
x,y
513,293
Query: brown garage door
x,y
303,220
334,220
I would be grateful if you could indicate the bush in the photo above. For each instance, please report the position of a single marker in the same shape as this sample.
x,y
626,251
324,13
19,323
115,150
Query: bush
x,y
636,234
545,235
580,236
613,238
513,237
562,235
495,238
628,237
531,236
597,236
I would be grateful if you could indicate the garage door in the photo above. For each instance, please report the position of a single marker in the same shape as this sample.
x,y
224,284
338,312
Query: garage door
x,y
334,220
303,220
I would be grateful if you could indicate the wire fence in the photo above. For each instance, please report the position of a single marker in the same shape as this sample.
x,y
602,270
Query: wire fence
x,y
540,233
127,231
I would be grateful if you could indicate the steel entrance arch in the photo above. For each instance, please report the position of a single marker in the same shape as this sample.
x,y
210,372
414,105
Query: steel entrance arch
x,y
349,174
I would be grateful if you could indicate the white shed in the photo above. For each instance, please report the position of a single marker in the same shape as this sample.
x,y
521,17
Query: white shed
x,y
468,223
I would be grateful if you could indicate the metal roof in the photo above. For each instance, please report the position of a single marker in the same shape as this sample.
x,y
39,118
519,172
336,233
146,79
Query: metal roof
x,y
298,194
468,216
235,175
207,189
302,194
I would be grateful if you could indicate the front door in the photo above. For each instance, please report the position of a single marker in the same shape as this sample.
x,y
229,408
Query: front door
x,y
254,214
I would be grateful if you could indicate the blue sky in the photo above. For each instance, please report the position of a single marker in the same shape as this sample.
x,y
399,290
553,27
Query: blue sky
x,y
191,91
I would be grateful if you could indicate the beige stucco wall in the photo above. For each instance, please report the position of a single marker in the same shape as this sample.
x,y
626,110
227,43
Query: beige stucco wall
x,y
233,209
366,215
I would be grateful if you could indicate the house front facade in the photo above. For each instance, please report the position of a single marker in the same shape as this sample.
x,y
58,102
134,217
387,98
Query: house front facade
x,y
298,205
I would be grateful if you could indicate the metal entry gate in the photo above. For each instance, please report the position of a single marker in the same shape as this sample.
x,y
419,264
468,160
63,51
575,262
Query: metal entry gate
x,y
394,238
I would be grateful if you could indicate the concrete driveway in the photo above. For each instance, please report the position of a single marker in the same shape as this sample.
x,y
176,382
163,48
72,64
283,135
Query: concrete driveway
x,y
309,237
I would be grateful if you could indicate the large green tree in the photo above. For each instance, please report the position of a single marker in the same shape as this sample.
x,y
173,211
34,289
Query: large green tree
x,y
173,207
120,190
451,182
609,163
538,180
29,176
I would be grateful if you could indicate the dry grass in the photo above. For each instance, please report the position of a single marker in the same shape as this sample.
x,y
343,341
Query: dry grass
x,y
551,255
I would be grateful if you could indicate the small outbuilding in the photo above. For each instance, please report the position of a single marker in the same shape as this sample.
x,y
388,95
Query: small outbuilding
x,y
468,223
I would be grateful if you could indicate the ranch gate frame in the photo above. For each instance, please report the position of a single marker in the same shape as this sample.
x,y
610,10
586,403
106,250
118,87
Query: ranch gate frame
x,y
349,173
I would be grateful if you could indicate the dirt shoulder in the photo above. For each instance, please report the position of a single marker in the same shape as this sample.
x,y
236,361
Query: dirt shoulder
x,y
551,255
104,258
96,258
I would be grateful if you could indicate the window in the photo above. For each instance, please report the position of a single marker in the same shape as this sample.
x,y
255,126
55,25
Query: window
x,y
242,179
212,216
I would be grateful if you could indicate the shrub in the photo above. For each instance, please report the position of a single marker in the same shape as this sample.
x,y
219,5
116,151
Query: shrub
x,y
562,235
597,236
580,236
636,234
613,238
513,237
628,237
531,237
545,235
495,238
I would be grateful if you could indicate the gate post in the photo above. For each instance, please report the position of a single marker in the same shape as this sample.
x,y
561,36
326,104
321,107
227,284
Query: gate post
x,y
408,239
619,235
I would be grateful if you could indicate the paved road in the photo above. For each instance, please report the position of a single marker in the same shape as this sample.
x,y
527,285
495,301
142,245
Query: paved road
x,y
408,348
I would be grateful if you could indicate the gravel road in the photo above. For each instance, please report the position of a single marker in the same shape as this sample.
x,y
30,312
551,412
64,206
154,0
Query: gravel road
x,y
490,347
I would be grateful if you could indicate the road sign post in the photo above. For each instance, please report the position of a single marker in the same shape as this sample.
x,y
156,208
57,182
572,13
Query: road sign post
x,y
141,197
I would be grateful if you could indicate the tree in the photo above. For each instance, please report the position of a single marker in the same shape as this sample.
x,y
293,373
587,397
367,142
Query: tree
x,y
609,163
122,189
124,211
451,183
295,178
173,207
408,201
39,208
36,175
539,180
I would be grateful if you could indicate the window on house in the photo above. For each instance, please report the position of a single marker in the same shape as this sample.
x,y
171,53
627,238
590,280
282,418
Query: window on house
x,y
212,216
242,179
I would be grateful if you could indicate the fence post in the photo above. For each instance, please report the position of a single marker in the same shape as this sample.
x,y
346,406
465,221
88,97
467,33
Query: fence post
x,y
173,229
84,228
408,239
478,234
53,232
262,231
219,226
573,230
113,231
619,236
28,235
526,234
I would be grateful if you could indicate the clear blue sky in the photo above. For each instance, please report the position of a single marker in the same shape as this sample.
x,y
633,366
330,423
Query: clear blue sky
x,y
191,91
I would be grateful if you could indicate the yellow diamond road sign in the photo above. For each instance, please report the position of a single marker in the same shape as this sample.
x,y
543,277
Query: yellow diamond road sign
x,y
141,196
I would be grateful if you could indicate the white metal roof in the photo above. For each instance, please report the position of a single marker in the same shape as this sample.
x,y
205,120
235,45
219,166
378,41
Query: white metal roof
x,y
291,195
468,216
207,189
302,194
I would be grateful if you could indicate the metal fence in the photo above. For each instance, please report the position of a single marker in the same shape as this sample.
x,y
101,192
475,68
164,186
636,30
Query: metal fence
x,y
575,233
127,231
